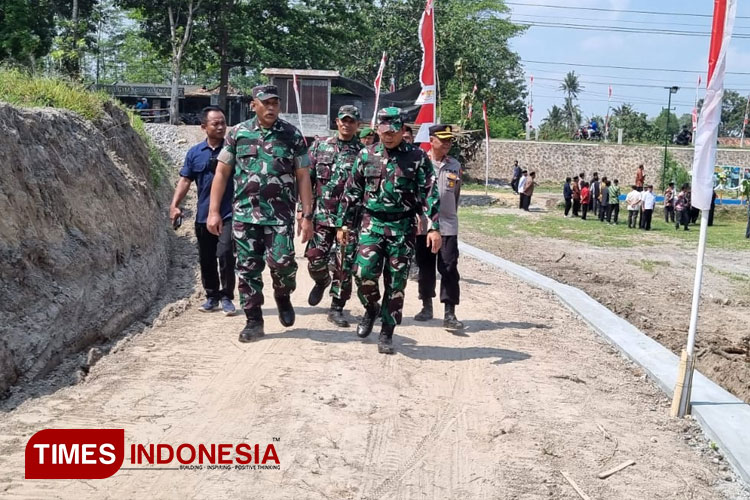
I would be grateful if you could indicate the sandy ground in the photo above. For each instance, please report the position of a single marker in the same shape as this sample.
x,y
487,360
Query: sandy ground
x,y
527,393
655,298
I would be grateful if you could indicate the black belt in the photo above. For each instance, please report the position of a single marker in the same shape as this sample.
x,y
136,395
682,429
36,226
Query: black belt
x,y
391,216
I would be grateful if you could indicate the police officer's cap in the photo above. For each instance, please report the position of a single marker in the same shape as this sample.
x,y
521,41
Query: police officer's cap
x,y
390,119
264,92
350,111
443,131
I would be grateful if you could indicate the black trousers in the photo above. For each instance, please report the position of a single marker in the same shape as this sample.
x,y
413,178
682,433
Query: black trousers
x,y
632,218
576,207
514,185
217,282
646,219
603,211
568,204
683,218
668,214
521,197
447,264
584,211
526,202
613,212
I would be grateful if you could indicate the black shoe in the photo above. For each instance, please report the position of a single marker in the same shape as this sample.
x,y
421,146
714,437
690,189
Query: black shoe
x,y
336,314
286,311
316,294
450,322
368,320
426,313
253,330
385,341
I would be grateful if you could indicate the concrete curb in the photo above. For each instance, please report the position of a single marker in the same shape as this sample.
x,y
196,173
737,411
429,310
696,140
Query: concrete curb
x,y
721,415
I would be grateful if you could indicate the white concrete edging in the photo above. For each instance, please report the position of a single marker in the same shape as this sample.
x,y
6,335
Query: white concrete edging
x,y
724,418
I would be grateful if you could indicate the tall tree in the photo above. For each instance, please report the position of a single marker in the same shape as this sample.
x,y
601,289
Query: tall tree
x,y
554,126
572,87
170,24
26,30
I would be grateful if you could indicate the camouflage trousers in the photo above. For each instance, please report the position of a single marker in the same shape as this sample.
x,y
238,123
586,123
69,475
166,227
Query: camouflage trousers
x,y
257,246
391,257
323,249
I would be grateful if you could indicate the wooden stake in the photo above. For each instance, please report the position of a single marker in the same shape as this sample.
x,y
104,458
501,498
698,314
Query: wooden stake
x,y
683,386
613,470
575,486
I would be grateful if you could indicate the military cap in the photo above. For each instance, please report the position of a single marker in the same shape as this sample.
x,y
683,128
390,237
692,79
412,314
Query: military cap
x,y
390,119
264,92
348,110
443,131
365,132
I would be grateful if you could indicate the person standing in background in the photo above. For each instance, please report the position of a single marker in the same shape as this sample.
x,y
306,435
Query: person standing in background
x,y
516,177
576,196
585,199
528,190
640,178
649,202
669,203
521,186
614,202
567,196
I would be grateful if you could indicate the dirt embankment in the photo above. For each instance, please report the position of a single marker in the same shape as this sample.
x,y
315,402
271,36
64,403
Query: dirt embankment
x,y
83,241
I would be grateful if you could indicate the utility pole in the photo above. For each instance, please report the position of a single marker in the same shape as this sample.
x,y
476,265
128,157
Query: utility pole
x,y
672,90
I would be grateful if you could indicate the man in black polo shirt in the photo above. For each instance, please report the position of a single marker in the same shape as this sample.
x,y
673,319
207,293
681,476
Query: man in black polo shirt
x,y
200,166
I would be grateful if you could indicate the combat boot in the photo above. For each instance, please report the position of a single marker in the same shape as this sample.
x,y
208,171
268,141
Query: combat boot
x,y
254,327
286,311
368,320
450,322
336,314
316,294
426,313
385,342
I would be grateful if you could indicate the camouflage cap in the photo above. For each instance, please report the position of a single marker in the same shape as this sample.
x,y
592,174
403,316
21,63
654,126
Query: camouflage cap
x,y
365,132
390,120
348,110
264,92
443,131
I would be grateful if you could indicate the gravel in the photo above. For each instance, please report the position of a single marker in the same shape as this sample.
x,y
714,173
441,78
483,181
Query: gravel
x,y
170,140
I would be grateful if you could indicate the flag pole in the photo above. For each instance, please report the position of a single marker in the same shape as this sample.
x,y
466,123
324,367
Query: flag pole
x,y
703,163
486,149
299,105
378,81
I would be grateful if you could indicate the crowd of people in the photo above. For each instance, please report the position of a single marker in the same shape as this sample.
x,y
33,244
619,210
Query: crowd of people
x,y
365,203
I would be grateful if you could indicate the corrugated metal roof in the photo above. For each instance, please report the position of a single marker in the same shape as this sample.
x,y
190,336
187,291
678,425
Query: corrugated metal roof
x,y
315,73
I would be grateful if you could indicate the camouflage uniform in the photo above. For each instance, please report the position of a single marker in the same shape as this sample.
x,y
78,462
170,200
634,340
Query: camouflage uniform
x,y
393,186
265,195
331,160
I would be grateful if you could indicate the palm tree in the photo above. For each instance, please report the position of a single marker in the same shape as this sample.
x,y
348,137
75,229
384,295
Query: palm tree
x,y
572,87
555,118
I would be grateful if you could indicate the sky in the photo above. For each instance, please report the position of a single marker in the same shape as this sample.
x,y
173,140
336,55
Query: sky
x,y
651,50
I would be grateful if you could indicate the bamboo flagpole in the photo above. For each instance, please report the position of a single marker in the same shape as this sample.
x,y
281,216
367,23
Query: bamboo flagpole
x,y
703,184
378,81
427,99
299,105
486,149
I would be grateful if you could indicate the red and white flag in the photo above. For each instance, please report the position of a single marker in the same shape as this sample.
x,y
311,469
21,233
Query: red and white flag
x,y
378,81
427,97
471,103
486,121
710,116
299,105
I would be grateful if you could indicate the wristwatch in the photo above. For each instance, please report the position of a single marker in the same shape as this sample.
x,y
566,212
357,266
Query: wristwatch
x,y
307,216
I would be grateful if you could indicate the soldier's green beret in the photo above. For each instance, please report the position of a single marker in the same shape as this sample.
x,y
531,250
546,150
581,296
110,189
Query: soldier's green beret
x,y
365,132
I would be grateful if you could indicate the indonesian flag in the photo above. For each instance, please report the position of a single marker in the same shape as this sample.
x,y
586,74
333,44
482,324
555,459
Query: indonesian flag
x,y
471,103
378,80
486,121
427,99
710,116
299,105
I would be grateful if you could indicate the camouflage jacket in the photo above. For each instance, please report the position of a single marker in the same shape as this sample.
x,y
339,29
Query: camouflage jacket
x,y
331,161
393,186
264,163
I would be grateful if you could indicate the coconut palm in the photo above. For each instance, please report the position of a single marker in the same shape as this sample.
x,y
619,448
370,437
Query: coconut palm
x,y
572,87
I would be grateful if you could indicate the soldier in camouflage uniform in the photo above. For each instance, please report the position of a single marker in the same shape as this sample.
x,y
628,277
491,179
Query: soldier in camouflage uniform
x,y
270,163
394,182
331,163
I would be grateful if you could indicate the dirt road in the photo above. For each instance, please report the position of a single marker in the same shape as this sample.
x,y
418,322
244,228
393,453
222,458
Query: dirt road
x,y
527,393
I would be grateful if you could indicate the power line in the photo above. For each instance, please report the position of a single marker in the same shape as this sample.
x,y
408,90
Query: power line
x,y
623,29
632,68
658,23
624,11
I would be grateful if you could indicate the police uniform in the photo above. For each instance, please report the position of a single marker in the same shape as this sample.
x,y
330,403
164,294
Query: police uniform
x,y
449,188
392,186
265,195
331,163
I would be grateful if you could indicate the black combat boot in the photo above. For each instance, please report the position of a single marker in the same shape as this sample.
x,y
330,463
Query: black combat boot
x,y
368,320
450,322
336,314
426,313
385,342
316,294
286,311
254,327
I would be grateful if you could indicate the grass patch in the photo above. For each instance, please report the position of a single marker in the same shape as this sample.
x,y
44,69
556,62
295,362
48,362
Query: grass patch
x,y
23,90
157,166
727,233
649,265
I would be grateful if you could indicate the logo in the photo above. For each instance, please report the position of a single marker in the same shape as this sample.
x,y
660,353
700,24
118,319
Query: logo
x,y
75,453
